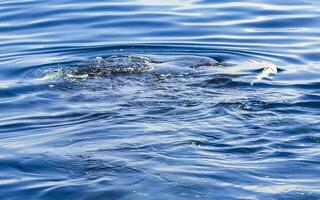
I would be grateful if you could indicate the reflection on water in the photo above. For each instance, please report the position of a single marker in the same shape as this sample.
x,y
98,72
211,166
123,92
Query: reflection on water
x,y
183,129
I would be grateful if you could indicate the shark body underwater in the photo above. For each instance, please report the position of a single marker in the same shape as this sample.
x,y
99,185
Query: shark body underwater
x,y
137,64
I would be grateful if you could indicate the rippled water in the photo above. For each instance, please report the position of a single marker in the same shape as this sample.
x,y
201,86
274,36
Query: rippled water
x,y
182,133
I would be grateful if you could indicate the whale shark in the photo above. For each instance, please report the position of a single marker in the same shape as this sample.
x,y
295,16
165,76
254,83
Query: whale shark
x,y
161,66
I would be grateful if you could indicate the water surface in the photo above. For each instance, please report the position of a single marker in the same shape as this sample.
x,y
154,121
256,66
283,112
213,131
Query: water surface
x,y
206,133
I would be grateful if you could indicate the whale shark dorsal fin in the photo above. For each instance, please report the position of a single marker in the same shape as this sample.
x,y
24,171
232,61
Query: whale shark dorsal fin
x,y
268,69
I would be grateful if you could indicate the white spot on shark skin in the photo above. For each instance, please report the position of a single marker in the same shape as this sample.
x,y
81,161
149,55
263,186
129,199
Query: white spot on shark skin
x,y
268,69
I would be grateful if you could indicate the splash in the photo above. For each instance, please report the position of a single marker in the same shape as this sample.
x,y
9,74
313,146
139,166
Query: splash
x,y
268,69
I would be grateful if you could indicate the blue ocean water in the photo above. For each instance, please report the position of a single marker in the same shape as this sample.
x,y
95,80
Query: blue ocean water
x,y
208,134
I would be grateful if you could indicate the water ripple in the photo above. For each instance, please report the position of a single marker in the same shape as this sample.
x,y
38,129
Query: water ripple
x,y
183,133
